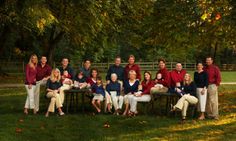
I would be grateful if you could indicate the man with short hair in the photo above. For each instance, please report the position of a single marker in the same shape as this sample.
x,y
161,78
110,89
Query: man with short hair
x,y
117,69
177,76
132,66
43,74
86,68
66,67
214,79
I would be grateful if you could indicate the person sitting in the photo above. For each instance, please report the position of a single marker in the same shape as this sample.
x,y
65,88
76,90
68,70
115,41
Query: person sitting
x,y
114,89
179,89
98,95
159,85
80,81
53,87
66,84
176,76
189,96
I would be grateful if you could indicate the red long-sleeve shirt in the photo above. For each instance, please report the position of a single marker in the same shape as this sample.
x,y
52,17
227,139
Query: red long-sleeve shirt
x,y
134,67
91,82
43,72
165,77
30,75
177,76
147,86
214,76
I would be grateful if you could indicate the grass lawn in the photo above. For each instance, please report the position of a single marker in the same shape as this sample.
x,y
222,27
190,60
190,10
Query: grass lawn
x,y
87,127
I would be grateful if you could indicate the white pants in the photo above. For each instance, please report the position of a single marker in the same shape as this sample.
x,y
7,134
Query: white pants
x,y
29,103
202,99
117,100
127,98
37,93
62,93
183,103
136,99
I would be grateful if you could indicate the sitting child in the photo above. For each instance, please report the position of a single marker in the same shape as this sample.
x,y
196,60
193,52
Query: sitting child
x,y
80,81
98,95
66,78
158,87
179,89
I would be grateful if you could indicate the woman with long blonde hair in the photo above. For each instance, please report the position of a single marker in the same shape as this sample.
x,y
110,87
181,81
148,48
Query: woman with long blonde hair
x,y
30,83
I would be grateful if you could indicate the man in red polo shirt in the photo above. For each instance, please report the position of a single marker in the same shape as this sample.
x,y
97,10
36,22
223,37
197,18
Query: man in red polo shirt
x,y
214,79
177,75
43,74
132,66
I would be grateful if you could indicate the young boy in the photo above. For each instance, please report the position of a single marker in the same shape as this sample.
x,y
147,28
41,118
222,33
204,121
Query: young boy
x,y
80,81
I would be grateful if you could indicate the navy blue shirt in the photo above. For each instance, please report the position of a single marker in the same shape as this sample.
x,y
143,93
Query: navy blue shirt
x,y
82,80
53,85
99,89
130,89
118,70
113,86
190,89
86,72
70,71
201,79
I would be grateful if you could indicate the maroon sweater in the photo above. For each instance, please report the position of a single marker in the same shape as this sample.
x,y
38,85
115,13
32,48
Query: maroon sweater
x,y
165,77
177,77
30,75
147,86
134,67
214,76
91,82
43,72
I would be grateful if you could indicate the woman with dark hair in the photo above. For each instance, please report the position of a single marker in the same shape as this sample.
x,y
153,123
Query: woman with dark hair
x,y
143,95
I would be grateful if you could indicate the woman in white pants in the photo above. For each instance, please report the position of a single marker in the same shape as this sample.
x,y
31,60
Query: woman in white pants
x,y
201,80
114,89
53,91
30,82
189,96
143,95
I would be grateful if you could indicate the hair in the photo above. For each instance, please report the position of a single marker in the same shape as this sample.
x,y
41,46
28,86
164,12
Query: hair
x,y
190,79
85,60
132,72
65,58
118,56
30,62
131,56
114,74
209,57
148,72
43,55
199,62
94,69
99,78
161,59
157,74
52,77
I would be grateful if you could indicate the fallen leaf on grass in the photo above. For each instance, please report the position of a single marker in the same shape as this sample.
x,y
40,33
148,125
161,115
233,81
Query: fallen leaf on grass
x,y
106,125
18,130
21,120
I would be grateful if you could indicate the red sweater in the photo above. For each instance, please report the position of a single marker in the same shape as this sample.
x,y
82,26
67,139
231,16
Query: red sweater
x,y
214,76
147,86
91,82
177,77
134,67
30,75
43,72
165,76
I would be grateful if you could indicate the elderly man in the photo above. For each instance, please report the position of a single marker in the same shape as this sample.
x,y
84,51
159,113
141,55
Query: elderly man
x,y
117,69
176,76
214,79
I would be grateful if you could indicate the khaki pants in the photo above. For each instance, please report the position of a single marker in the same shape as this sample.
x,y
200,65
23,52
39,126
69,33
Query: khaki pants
x,y
29,103
183,103
202,99
55,100
37,93
135,100
62,93
212,101
158,89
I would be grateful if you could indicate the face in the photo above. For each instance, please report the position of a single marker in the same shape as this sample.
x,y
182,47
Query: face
x,y
161,65
159,76
87,64
147,76
94,73
117,61
34,59
113,78
132,76
65,73
131,60
56,73
80,76
187,77
65,62
178,67
44,60
209,61
99,81
199,66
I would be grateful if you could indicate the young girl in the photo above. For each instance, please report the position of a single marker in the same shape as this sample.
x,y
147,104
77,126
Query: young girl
x,y
30,83
53,87
80,81
98,95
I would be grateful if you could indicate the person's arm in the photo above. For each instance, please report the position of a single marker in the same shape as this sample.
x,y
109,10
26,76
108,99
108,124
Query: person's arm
x,y
206,79
108,88
108,76
218,76
48,73
193,89
147,90
122,74
138,73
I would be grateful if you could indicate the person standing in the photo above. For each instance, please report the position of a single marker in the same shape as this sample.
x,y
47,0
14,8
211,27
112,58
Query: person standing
x,y
201,81
43,74
30,82
86,68
117,69
132,66
214,79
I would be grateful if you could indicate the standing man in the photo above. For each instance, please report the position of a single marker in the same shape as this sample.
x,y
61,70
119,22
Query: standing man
x,y
43,74
117,69
86,68
132,66
177,76
214,79
65,67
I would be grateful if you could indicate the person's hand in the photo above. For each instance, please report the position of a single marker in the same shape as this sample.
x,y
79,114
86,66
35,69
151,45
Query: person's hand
x,y
30,86
178,90
108,81
137,94
203,91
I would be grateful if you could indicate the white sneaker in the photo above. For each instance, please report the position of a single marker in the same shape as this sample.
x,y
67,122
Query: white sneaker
x,y
61,113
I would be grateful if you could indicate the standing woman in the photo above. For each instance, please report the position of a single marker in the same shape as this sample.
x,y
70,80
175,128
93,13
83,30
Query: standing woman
x,y
201,81
30,83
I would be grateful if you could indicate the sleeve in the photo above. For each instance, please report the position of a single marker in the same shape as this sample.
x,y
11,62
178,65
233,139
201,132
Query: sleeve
x,y
167,79
119,88
27,74
108,89
138,73
147,90
194,89
195,77
218,76
108,76
72,73
206,79
48,84
49,70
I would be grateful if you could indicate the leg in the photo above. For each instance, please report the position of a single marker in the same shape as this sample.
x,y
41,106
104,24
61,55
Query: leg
x,y
212,101
114,100
62,93
184,110
36,96
121,101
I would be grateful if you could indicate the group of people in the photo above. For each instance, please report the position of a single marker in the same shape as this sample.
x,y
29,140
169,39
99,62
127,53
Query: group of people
x,y
124,86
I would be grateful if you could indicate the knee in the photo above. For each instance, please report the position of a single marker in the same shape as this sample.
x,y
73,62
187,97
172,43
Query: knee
x,y
53,99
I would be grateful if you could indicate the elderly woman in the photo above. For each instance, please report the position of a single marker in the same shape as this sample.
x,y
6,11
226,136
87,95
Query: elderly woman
x,y
143,95
188,97
30,83
130,87
53,91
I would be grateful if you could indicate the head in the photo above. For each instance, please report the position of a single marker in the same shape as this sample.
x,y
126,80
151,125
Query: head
x,y
94,73
187,79
178,84
158,76
43,60
33,60
55,75
178,66
113,77
199,66
209,60
132,75
131,59
99,80
65,62
147,76
161,63
65,73
87,63
80,75
117,60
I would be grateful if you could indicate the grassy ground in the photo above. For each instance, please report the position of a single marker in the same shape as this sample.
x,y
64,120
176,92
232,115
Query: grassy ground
x,y
87,127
